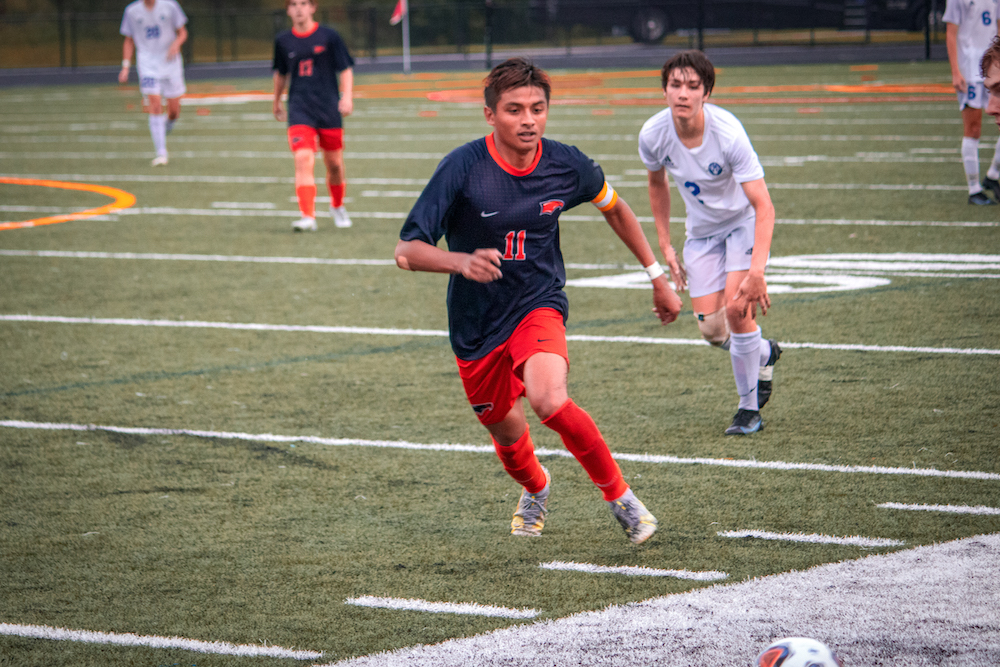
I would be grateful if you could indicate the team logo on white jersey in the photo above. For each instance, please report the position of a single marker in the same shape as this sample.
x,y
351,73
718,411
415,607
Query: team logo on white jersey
x,y
667,161
715,169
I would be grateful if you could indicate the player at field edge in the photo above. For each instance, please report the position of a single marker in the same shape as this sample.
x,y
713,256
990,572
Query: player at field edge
x,y
321,93
730,222
154,31
970,25
497,201
989,67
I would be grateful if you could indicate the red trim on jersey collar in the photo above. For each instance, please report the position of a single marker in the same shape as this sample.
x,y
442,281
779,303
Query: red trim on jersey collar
x,y
306,34
491,146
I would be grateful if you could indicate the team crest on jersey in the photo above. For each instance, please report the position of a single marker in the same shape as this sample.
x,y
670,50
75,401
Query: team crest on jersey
x,y
551,206
715,169
319,48
482,408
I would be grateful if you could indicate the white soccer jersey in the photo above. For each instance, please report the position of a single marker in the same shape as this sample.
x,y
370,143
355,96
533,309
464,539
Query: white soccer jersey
x,y
977,26
708,176
153,31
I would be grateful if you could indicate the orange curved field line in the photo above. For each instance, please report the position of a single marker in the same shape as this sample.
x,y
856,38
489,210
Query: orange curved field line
x,y
121,198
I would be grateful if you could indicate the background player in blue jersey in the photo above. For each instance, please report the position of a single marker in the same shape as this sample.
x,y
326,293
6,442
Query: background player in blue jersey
x,y
497,202
320,67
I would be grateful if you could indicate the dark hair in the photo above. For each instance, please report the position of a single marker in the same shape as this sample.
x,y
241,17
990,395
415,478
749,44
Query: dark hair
x,y
694,59
288,2
514,73
991,57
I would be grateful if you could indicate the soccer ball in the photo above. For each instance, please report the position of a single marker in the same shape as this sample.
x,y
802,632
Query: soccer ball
x,y
798,652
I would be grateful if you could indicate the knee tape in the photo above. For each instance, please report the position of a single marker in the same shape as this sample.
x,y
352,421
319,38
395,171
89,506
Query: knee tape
x,y
714,328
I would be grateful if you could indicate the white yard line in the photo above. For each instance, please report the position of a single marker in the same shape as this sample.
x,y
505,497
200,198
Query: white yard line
x,y
469,608
488,449
152,641
633,571
812,538
951,509
376,331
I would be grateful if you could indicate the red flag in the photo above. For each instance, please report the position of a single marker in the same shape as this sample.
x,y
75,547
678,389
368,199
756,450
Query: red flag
x,y
397,13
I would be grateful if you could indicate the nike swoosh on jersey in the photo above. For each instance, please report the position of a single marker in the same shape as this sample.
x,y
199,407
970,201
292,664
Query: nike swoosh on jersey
x,y
488,215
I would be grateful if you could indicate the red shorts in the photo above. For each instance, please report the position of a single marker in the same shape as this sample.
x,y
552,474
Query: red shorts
x,y
305,136
495,381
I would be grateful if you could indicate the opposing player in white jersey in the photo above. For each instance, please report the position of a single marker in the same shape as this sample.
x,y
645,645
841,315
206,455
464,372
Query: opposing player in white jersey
x,y
154,30
970,26
730,220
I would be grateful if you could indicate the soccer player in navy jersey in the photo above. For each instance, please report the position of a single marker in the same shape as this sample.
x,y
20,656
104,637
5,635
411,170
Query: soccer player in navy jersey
x,y
320,67
497,201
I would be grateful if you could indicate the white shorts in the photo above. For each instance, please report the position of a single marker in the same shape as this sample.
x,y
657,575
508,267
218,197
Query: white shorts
x,y
169,87
709,259
977,97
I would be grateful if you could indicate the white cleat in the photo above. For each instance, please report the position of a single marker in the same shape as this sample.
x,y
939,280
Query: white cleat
x,y
160,161
340,217
305,224
638,522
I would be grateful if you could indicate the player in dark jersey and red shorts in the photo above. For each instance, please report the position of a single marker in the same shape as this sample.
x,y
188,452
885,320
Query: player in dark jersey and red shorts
x,y
497,201
320,95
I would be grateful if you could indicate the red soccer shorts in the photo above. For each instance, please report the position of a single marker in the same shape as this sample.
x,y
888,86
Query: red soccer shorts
x,y
495,381
305,136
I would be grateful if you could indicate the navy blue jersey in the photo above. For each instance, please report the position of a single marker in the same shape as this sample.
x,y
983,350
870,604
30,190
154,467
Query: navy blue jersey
x,y
476,200
313,60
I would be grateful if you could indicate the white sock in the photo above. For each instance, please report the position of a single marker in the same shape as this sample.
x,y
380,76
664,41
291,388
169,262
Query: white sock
x,y
970,160
994,170
744,353
158,130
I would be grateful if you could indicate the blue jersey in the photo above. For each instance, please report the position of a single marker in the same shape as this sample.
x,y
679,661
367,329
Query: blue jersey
x,y
477,200
313,60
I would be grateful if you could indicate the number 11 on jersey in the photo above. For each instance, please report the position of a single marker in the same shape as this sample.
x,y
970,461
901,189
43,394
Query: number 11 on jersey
x,y
508,252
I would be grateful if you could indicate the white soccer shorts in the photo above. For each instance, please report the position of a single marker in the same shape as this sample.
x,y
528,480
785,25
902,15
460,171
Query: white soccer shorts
x,y
976,97
168,87
709,259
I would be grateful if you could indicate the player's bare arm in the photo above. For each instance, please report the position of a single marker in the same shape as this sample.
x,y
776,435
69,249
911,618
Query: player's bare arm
x,y
128,50
666,303
659,202
958,81
175,46
482,265
753,290
279,90
346,84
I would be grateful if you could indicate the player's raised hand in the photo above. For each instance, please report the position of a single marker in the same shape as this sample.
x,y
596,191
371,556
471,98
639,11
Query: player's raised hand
x,y
677,272
482,265
666,303
752,292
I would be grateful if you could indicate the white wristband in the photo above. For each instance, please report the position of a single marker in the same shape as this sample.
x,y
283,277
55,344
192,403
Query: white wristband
x,y
126,64
654,271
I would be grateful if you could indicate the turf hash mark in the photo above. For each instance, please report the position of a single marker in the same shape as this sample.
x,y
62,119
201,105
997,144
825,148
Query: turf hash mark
x,y
467,608
813,538
152,641
633,571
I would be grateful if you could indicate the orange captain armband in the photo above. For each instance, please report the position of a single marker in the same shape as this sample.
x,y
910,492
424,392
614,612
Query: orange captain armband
x,y
607,199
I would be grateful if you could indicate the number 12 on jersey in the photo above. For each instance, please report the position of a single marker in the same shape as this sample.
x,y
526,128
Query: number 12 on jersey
x,y
509,249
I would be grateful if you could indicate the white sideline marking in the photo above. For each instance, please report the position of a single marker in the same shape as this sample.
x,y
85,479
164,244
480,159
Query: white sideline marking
x,y
197,258
374,331
471,609
488,449
633,571
129,639
954,509
856,540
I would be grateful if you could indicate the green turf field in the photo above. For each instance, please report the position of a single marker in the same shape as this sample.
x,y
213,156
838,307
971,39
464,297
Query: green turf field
x,y
146,527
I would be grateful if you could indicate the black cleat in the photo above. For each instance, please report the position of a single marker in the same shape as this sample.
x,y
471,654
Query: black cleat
x,y
993,186
764,386
980,199
745,422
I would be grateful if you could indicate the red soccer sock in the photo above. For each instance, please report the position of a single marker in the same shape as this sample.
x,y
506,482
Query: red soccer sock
x,y
520,462
337,194
307,200
584,441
